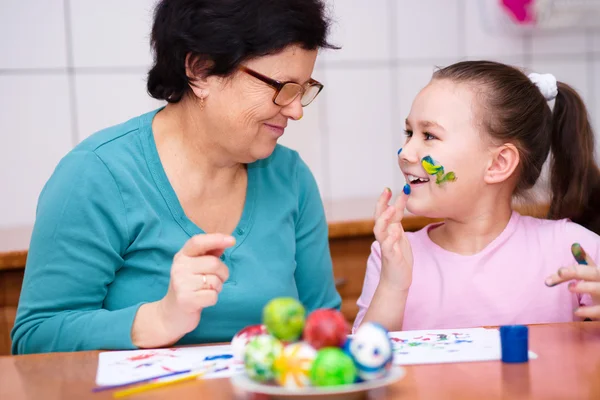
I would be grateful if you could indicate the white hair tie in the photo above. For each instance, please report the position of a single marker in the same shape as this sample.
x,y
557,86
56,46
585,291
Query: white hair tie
x,y
546,83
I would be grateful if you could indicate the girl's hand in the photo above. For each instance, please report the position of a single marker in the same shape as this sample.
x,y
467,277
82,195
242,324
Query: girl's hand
x,y
585,279
396,253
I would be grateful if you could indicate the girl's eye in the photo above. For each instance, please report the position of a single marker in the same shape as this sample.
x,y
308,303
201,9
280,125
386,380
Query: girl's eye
x,y
376,352
428,136
408,133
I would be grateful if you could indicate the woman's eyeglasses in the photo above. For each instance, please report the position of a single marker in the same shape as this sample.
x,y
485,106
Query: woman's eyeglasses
x,y
286,92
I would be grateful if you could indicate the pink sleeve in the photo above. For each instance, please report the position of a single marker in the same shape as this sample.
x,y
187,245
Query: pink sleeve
x,y
370,283
591,244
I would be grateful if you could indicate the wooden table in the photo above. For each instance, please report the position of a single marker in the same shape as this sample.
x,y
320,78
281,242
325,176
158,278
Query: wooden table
x,y
568,367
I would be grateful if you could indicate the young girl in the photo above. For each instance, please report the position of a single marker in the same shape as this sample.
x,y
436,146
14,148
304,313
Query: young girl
x,y
478,135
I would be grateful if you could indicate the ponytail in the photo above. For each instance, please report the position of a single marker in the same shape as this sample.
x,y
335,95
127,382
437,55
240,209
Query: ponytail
x,y
575,176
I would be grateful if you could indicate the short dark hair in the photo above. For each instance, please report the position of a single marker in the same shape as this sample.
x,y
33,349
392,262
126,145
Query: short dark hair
x,y
514,110
220,34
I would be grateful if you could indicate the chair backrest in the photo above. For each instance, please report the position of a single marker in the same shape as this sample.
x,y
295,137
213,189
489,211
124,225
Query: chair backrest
x,y
12,268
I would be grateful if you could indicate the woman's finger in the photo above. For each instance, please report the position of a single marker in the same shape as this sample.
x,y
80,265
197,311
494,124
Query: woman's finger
x,y
206,282
206,298
202,244
382,202
209,265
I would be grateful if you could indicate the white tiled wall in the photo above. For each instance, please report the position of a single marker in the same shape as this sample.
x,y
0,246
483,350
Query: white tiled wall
x,y
359,130
111,33
108,99
427,30
32,36
71,67
36,133
364,32
483,40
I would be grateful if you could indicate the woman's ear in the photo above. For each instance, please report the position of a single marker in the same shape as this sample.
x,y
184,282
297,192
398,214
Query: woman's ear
x,y
195,70
505,160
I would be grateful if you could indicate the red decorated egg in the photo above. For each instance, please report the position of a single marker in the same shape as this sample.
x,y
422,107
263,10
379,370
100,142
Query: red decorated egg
x,y
243,337
326,328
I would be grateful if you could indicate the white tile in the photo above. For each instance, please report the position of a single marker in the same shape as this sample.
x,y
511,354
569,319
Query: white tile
x,y
558,43
428,29
361,28
571,72
106,100
32,35
361,156
307,138
36,134
111,33
486,34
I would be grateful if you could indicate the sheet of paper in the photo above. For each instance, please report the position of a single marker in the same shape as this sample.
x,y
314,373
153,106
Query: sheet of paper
x,y
410,347
119,367
447,346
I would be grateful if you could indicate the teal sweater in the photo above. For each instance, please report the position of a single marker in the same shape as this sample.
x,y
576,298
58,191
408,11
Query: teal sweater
x,y
109,223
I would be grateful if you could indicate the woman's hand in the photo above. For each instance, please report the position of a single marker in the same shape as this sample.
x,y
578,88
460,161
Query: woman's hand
x,y
585,279
396,253
197,277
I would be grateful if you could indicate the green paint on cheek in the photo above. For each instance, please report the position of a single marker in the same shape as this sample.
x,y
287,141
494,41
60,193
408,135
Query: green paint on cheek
x,y
432,167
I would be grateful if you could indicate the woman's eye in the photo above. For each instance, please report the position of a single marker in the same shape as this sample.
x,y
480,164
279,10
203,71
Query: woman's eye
x,y
408,133
375,352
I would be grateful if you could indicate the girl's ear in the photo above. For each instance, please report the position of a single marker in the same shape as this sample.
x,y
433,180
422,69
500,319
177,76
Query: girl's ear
x,y
505,160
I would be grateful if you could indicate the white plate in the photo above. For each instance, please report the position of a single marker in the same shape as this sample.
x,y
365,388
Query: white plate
x,y
355,390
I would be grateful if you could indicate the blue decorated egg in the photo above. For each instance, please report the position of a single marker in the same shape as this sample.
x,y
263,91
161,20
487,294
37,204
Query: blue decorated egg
x,y
371,349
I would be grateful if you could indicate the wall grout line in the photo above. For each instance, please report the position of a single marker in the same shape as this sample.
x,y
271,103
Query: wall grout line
x,y
462,30
70,70
323,124
324,65
393,87
528,50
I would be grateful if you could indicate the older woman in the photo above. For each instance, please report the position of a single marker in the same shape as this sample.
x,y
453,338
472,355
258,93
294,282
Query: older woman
x,y
177,226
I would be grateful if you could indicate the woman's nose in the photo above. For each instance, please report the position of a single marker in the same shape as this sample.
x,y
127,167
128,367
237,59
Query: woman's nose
x,y
294,109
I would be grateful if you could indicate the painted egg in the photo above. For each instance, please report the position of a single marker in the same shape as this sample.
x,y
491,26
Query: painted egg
x,y
284,318
261,352
326,328
292,367
243,337
332,367
371,349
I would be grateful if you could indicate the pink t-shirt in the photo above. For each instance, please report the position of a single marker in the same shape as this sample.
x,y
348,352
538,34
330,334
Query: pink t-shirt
x,y
501,285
